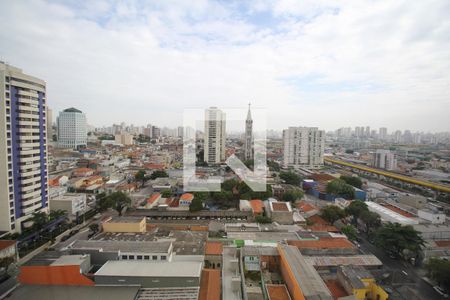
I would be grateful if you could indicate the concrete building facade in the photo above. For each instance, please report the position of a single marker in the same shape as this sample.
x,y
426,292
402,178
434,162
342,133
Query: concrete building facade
x,y
214,145
72,128
303,147
23,147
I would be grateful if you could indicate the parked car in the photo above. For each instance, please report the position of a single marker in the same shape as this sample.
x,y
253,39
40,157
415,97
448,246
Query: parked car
x,y
440,291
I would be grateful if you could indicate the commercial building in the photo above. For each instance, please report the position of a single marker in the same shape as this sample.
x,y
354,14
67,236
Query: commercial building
x,y
359,282
303,147
214,144
384,159
125,224
280,212
124,139
23,147
72,129
72,203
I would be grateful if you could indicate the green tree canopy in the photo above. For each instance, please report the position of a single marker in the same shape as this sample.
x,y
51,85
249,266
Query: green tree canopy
x,y
229,184
353,181
158,174
355,209
196,205
340,188
263,219
166,193
370,219
140,176
350,232
119,201
439,270
401,241
292,195
331,213
290,178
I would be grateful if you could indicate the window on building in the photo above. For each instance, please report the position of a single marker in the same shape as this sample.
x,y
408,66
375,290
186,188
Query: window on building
x,y
124,257
154,257
139,257
163,257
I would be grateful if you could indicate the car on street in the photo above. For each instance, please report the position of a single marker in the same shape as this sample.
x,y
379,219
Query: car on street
x,y
440,291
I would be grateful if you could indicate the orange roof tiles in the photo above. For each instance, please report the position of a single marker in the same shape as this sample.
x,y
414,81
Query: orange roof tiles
x,y
321,227
442,243
398,210
336,289
210,284
323,243
280,206
277,292
257,206
306,207
213,248
155,166
316,219
153,198
321,177
187,197
6,244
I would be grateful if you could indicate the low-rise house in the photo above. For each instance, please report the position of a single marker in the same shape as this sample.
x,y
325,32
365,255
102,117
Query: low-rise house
x,y
359,282
257,207
280,212
186,199
125,224
153,200
213,255
8,249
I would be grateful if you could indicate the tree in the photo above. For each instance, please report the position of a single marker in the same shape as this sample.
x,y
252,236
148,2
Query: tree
x,y
353,181
55,214
196,205
274,166
292,195
103,202
119,201
166,193
94,227
140,176
290,178
350,232
338,187
263,219
158,174
39,220
370,219
355,209
230,184
202,196
332,213
439,270
398,240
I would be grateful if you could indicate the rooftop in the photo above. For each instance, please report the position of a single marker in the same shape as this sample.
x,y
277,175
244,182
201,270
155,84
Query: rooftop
x,y
126,220
280,206
213,248
72,109
123,246
210,284
6,244
278,292
334,261
151,269
323,243
354,274
187,197
257,206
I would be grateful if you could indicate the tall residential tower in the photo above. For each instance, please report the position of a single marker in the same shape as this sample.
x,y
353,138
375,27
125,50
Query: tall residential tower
x,y
248,142
23,147
214,148
303,147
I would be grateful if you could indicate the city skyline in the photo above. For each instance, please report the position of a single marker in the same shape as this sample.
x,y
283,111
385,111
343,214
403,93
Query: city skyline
x,y
305,62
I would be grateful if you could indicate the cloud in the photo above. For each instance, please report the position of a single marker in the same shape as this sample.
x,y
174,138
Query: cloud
x,y
377,63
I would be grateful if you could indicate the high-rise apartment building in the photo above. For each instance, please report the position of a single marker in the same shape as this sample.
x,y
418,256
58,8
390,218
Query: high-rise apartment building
x,y
383,133
49,116
384,159
303,147
23,147
248,138
214,144
72,128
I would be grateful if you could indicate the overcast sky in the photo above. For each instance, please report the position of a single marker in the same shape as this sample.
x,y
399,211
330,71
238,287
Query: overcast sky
x,y
310,63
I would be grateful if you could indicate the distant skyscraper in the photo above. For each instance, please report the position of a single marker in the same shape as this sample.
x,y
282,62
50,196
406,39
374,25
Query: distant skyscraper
x,y
248,142
23,147
384,159
303,147
180,131
214,148
72,129
156,132
367,132
383,133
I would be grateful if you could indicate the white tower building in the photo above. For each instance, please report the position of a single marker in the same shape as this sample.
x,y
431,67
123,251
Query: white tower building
x,y
214,148
23,148
72,128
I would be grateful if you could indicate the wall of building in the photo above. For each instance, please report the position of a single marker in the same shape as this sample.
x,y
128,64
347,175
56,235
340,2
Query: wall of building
x,y
124,227
289,278
149,282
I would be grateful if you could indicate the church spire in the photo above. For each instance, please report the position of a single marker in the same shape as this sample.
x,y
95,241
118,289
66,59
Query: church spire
x,y
249,115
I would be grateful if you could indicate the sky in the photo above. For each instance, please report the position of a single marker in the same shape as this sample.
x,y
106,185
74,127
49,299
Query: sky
x,y
327,64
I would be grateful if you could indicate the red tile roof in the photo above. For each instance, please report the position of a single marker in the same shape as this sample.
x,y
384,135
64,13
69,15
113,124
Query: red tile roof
x,y
213,248
324,228
6,244
306,207
336,289
279,206
398,210
321,177
323,243
187,197
277,292
316,219
153,198
210,284
257,206
445,244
